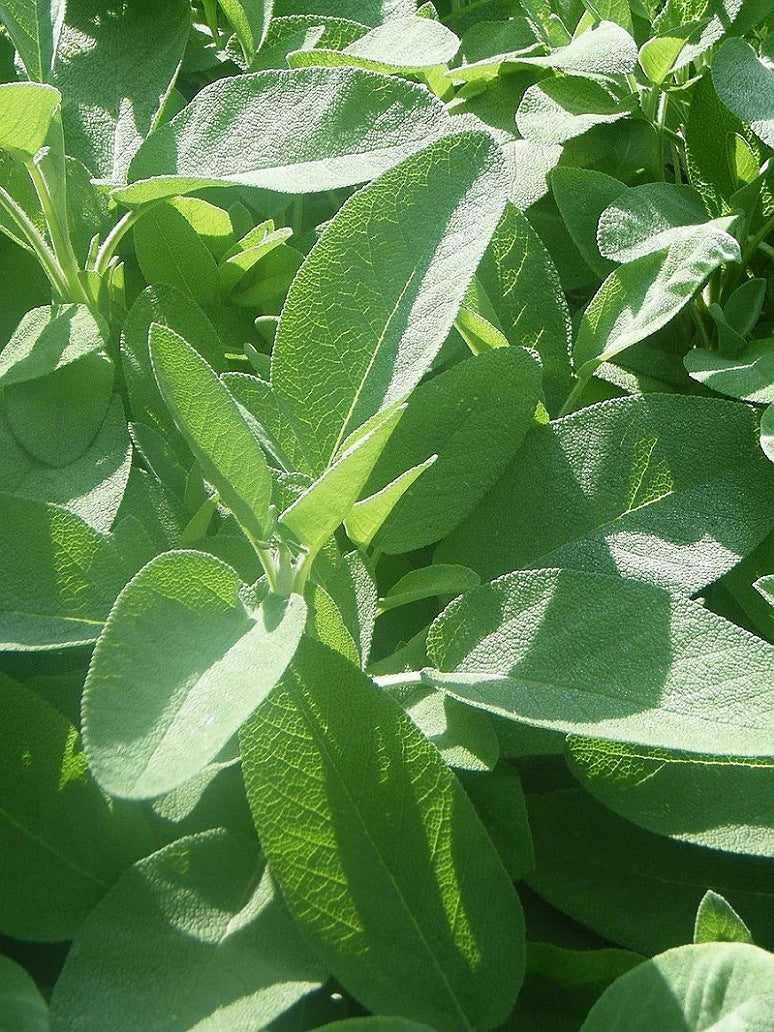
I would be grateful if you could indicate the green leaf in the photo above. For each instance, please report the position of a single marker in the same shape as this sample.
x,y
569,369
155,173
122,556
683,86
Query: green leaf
x,y
745,84
402,45
370,12
214,428
34,27
659,54
556,110
717,921
476,413
429,582
582,194
712,985
58,577
115,71
633,671
22,1008
378,852
648,218
636,888
765,585
382,288
748,376
499,801
47,339
327,143
26,110
767,432
621,491
645,294
367,516
169,250
316,513
376,1023
522,286
195,655
605,50
60,842
194,936
250,19
713,801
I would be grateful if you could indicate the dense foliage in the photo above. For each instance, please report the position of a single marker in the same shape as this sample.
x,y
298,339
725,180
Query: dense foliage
x,y
386,508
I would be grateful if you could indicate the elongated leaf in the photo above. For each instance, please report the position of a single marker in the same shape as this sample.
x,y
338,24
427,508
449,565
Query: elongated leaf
x,y
606,50
632,667
638,889
717,921
621,491
169,250
47,339
556,110
115,71
379,292
26,110
367,516
329,141
59,841
34,27
713,801
378,852
250,19
643,295
216,431
428,582
669,992
474,415
58,577
647,218
371,12
749,376
22,1008
195,936
195,656
745,84
582,194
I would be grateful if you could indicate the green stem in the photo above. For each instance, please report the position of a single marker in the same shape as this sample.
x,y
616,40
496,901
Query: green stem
x,y
408,679
211,14
110,244
660,124
60,238
699,324
36,241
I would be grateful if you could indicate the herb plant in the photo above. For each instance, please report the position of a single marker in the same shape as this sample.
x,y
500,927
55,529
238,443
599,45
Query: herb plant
x,y
386,515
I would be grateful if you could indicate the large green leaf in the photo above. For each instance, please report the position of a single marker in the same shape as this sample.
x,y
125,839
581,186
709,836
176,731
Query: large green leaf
x,y
714,801
193,937
377,295
47,339
621,490
58,577
22,1008
185,657
557,109
647,218
748,375
225,446
690,989
378,851
26,110
635,888
115,65
745,84
60,843
328,141
34,27
473,417
632,665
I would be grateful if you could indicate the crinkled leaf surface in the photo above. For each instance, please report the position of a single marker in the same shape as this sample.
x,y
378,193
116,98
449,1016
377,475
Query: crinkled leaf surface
x,y
748,376
193,937
621,491
558,109
351,125
184,659
378,293
47,339
647,218
632,667
378,851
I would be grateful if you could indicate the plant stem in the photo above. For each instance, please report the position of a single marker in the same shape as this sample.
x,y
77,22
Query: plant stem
x,y
30,231
60,238
211,14
110,244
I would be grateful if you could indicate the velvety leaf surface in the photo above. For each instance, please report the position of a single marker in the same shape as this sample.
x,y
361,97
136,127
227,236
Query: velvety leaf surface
x,y
60,844
620,490
34,27
748,375
556,110
378,851
633,666
193,937
22,1008
352,125
378,293
745,84
184,659
713,985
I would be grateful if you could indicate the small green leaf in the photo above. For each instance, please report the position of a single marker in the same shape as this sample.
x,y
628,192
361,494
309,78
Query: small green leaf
x,y
765,586
648,218
429,582
170,251
60,841
195,936
47,339
767,432
196,656
670,992
215,429
367,516
26,110
717,921
250,19
633,671
22,1008
378,852
748,376
582,194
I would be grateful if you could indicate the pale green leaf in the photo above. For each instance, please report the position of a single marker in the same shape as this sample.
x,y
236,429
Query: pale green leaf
x,y
26,110
429,582
765,585
745,84
195,937
34,27
378,851
48,339
378,293
556,110
215,429
170,251
767,432
717,921
352,126
366,517
250,19
403,45
195,655
748,375
605,50
633,669
648,218
22,1008
582,194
